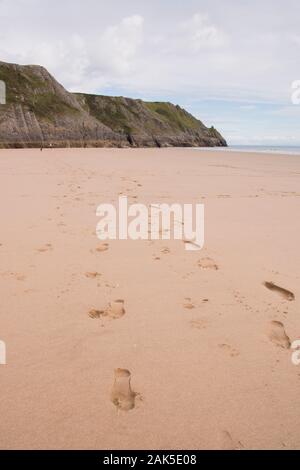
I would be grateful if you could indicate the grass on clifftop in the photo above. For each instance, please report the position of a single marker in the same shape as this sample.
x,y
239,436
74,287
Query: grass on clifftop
x,y
110,111
175,116
123,114
24,87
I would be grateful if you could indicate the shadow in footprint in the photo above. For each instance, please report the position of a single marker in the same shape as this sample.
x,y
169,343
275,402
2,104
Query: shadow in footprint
x,y
44,249
92,275
278,336
189,306
122,395
102,248
286,294
96,313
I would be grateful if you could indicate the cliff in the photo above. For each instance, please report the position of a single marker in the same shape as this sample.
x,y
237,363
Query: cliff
x,y
39,111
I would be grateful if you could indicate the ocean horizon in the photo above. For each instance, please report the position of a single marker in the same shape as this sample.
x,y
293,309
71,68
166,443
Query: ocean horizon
x,y
274,149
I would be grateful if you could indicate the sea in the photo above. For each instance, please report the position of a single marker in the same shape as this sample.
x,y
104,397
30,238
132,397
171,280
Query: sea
x,y
286,150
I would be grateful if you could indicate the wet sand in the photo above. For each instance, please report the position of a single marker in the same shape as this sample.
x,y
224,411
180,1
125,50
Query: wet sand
x,y
141,344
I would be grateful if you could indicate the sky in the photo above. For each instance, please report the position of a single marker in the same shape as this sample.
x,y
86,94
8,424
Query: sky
x,y
230,63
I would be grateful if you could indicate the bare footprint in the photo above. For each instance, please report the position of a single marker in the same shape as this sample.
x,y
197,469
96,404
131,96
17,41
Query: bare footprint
x,y
16,276
92,275
115,310
189,305
103,247
286,294
278,336
232,351
96,313
208,263
43,249
198,324
122,395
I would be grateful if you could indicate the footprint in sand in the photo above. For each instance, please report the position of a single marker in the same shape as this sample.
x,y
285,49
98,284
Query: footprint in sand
x,y
103,247
43,249
122,395
207,263
96,313
115,310
16,276
198,324
286,294
93,275
278,336
189,305
165,250
229,349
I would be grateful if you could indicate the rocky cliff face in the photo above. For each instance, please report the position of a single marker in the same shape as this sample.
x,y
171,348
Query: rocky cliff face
x,y
39,111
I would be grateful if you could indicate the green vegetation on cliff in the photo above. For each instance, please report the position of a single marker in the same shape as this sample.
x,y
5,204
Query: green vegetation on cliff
x,y
175,116
39,109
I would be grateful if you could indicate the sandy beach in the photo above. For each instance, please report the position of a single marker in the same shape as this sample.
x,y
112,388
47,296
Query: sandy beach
x,y
203,338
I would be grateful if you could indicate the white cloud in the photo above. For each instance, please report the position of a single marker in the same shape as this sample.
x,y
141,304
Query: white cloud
x,y
200,33
187,52
84,63
117,47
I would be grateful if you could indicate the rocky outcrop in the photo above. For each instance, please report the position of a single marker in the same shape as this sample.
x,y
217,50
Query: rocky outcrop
x,y
40,112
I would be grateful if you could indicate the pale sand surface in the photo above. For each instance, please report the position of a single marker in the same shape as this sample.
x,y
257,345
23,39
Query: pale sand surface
x,y
209,376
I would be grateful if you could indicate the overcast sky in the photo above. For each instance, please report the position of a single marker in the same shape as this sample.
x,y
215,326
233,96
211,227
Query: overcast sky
x,y
231,63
